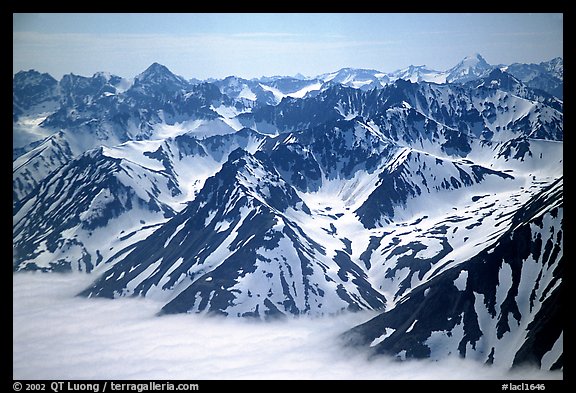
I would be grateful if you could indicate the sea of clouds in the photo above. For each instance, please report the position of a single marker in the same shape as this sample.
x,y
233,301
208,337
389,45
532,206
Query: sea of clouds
x,y
57,335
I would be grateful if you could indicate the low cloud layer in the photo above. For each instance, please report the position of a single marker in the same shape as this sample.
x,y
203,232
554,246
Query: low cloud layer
x,y
59,336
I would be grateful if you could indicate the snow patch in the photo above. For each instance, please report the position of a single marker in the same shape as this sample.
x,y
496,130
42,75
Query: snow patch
x,y
382,337
460,281
411,326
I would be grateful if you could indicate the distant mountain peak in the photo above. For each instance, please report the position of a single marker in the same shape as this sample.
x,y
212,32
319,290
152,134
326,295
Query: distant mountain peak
x,y
157,73
156,67
473,61
33,77
475,57
471,67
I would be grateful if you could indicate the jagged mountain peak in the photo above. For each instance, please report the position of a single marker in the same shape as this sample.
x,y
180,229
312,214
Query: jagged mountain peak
x,y
110,78
498,78
350,70
473,63
359,78
32,92
158,74
257,177
155,69
32,77
555,66
471,67
474,60
237,250
411,69
31,86
72,78
418,73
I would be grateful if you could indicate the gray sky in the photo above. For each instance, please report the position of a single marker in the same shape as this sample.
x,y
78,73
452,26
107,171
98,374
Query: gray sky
x,y
253,45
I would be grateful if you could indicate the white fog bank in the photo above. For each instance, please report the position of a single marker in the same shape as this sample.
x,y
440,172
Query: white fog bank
x,y
59,336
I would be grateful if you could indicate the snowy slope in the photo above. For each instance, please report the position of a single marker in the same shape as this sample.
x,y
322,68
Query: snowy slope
x,y
471,67
80,212
357,78
122,190
501,305
266,91
233,251
418,74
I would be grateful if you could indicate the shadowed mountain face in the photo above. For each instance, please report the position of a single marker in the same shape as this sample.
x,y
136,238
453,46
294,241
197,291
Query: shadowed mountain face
x,y
438,204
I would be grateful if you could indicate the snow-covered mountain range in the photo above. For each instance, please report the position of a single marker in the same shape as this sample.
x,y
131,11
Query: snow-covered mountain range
x,y
433,197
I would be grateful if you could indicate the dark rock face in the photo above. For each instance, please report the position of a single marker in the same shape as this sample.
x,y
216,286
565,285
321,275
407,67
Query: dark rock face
x,y
31,88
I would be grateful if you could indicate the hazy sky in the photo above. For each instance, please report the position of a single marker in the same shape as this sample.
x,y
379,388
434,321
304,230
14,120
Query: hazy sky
x,y
253,45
